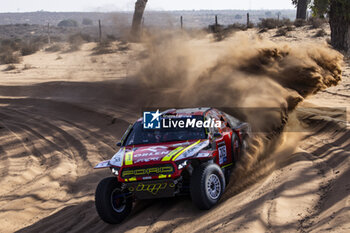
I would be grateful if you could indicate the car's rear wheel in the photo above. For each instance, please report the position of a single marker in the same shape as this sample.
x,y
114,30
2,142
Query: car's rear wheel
x,y
113,205
207,185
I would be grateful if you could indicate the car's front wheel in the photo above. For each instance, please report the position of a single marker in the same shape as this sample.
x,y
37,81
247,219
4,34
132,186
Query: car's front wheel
x,y
113,205
207,185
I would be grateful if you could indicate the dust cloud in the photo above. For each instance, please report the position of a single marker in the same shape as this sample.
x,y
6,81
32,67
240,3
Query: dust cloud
x,y
244,73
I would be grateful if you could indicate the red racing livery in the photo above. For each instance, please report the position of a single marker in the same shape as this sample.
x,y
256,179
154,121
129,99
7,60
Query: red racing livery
x,y
194,159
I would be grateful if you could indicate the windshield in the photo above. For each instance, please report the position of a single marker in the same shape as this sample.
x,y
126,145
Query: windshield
x,y
139,135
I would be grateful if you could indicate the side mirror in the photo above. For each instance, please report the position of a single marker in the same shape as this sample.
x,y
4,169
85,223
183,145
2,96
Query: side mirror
x,y
119,144
217,135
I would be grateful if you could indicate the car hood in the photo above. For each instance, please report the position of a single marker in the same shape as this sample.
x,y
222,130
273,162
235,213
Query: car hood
x,y
146,154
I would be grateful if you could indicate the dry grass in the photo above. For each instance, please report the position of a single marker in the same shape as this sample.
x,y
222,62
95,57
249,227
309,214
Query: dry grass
x,y
10,67
29,48
282,32
8,54
263,30
11,50
290,28
77,40
271,23
103,48
9,57
221,32
320,33
317,22
54,48
123,46
13,45
108,46
299,23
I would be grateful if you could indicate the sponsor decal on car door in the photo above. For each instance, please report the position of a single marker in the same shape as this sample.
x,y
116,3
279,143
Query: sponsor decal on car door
x,y
222,154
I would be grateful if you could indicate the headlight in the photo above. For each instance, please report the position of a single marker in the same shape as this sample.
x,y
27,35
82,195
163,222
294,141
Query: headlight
x,y
115,171
182,165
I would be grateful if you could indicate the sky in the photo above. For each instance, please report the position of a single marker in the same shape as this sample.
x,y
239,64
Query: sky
x,y
128,5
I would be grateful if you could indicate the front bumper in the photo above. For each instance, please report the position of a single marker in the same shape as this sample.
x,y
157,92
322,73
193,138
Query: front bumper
x,y
153,188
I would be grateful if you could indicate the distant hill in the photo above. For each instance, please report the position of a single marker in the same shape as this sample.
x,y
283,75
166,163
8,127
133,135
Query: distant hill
x,y
193,19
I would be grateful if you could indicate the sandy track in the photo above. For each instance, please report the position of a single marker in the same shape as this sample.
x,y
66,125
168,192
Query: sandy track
x,y
45,153
296,197
52,134
51,146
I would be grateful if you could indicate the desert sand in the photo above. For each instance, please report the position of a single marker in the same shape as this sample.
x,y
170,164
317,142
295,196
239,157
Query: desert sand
x,y
65,114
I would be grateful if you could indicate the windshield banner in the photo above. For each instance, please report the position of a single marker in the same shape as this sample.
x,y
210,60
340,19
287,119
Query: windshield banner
x,y
157,120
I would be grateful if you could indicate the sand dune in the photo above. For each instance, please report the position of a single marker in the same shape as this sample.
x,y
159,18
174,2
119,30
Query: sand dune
x,y
61,118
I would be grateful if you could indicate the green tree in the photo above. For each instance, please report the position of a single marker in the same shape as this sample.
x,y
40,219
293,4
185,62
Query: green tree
x,y
339,20
338,12
68,23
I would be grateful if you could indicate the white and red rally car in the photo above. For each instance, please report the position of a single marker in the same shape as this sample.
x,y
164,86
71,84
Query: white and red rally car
x,y
182,157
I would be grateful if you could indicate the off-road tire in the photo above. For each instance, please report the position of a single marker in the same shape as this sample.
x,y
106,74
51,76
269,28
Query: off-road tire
x,y
103,201
199,185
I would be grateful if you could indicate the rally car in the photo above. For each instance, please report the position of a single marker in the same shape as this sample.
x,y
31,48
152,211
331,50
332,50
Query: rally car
x,y
177,152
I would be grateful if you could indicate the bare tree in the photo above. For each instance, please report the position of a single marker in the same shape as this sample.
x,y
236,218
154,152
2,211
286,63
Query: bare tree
x,y
140,6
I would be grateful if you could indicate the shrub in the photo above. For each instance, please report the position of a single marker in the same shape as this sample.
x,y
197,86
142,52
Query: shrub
x,y
281,32
86,37
263,30
269,23
123,47
29,48
55,38
226,32
76,40
238,26
320,33
7,44
290,28
299,22
103,48
10,67
54,48
316,22
9,57
250,25
79,37
39,40
87,22
68,23
286,22
111,37
215,28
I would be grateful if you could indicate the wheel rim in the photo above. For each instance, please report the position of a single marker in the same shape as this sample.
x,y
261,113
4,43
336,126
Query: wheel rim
x,y
213,186
118,202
